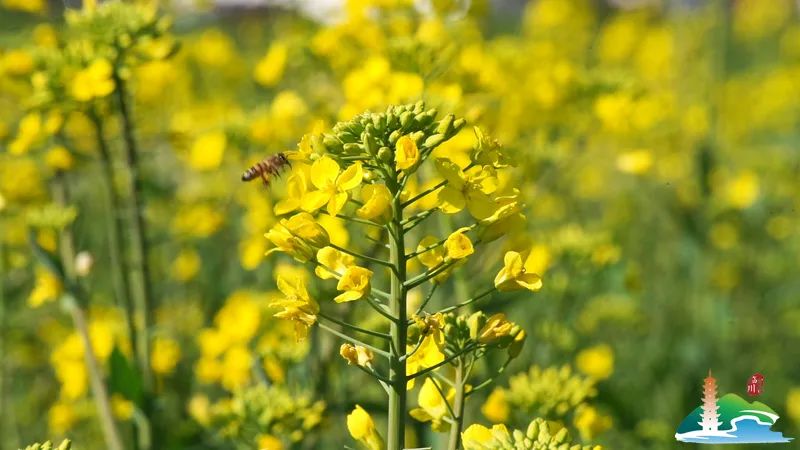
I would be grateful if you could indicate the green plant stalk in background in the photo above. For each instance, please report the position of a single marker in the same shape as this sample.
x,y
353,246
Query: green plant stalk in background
x,y
139,269
458,406
72,303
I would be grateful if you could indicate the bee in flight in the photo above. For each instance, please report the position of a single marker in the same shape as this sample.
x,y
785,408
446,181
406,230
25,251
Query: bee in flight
x,y
266,168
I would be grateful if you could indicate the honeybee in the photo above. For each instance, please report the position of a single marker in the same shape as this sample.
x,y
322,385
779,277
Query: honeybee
x,y
266,168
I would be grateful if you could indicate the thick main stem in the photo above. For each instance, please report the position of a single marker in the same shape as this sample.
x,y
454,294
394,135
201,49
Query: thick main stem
x,y
399,329
139,268
458,408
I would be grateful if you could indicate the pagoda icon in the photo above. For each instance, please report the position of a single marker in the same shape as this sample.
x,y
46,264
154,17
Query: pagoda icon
x,y
710,416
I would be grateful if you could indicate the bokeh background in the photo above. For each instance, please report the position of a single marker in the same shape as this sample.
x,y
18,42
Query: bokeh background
x,y
657,148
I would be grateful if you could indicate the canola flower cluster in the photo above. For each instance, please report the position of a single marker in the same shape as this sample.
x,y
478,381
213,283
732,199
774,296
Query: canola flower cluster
x,y
648,190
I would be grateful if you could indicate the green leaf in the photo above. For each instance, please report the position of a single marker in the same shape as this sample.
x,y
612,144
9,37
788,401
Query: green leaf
x,y
125,378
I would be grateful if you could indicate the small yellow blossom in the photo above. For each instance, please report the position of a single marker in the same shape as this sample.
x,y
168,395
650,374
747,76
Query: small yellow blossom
x,y
269,442
635,162
93,82
470,191
269,69
362,429
297,305
332,184
590,423
61,417
355,283
296,188
496,329
121,407
164,356
496,407
427,355
298,236
334,262
406,153
476,436
207,151
377,202
742,190
514,276
356,355
59,158
186,265
597,361
47,288
793,404
458,245
432,407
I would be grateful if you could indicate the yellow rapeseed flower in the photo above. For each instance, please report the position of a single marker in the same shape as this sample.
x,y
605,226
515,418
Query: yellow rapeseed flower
x,y
496,407
470,191
356,355
332,184
514,276
47,287
121,407
296,188
334,262
362,429
427,355
207,151
296,306
298,236
355,283
269,442
186,265
432,407
95,81
59,158
596,362
458,245
269,69
164,356
406,153
377,202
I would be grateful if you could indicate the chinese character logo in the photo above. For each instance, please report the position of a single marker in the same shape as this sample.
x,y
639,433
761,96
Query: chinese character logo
x,y
730,419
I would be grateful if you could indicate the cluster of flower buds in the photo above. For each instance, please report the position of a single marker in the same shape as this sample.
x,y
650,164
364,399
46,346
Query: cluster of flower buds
x,y
539,435
399,134
65,445
480,331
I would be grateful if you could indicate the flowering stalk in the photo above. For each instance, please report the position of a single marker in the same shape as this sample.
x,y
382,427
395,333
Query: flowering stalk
x,y
458,407
139,267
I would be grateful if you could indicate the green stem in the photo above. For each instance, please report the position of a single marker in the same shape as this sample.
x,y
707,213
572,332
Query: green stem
x,y
424,193
115,230
73,305
139,268
399,328
352,340
350,326
364,257
458,408
469,301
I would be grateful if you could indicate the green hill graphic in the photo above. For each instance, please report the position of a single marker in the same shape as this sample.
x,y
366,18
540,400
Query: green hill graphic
x,y
730,407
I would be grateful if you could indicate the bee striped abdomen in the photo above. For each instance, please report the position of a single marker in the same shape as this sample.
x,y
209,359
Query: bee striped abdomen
x,y
266,168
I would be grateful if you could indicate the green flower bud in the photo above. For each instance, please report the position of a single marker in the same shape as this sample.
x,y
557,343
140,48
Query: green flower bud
x,y
419,107
434,141
347,137
396,134
379,122
332,143
385,155
458,124
515,348
352,148
406,119
475,322
446,124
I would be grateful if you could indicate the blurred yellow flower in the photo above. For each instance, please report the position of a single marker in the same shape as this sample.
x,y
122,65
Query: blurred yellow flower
x,y
514,276
239,318
635,162
496,408
362,429
496,329
198,408
269,442
237,366
355,283
334,262
590,423
61,418
332,184
93,82
165,355
59,158
186,265
269,69
47,287
458,245
197,220
742,190
16,63
596,362
207,151
29,131
406,153
121,407
296,188
793,404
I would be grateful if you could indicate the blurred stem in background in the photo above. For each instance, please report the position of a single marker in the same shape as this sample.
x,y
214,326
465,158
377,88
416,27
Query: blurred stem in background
x,y
6,413
75,302
115,226
138,269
